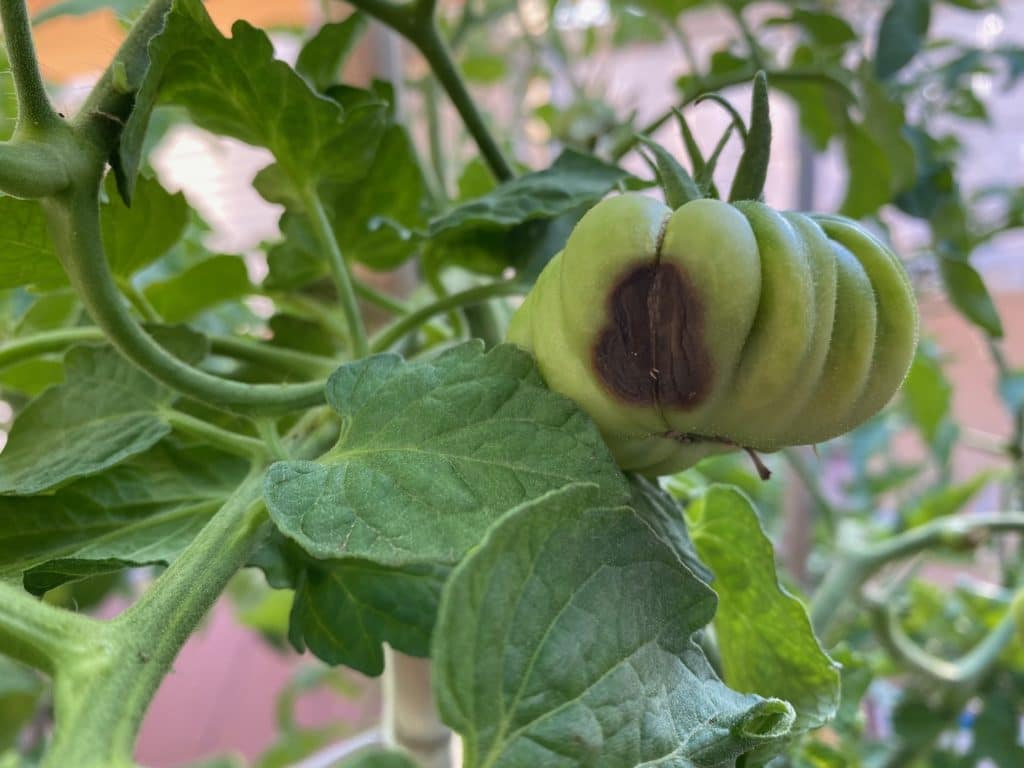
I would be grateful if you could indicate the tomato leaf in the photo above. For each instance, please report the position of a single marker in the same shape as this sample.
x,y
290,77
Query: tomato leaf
x,y
137,236
106,411
901,35
431,454
502,227
568,632
143,511
777,654
202,286
345,609
322,57
234,86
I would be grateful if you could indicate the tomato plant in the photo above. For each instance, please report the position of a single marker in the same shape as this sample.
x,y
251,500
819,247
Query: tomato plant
x,y
518,535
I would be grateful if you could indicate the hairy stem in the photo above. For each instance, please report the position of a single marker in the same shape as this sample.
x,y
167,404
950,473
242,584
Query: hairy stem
x,y
281,358
966,671
111,100
99,705
855,566
35,113
225,439
429,43
237,347
415,22
45,343
395,332
100,698
382,300
74,225
339,269
39,634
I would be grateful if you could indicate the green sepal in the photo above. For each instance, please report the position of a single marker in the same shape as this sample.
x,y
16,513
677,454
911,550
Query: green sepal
x,y
678,185
706,178
753,168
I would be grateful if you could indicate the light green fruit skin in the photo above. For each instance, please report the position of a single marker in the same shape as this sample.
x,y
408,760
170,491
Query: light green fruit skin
x,y
810,325
898,322
730,281
787,424
770,366
851,348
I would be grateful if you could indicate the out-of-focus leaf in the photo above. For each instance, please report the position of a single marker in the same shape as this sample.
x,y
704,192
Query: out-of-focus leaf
x,y
967,291
901,35
928,394
122,9
322,57
202,286
106,411
945,501
137,236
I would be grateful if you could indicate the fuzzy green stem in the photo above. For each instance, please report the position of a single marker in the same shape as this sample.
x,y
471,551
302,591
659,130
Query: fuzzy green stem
x,y
138,300
382,300
35,113
45,343
100,698
415,22
481,293
339,269
435,51
74,225
280,358
855,566
225,439
39,634
99,704
965,671
240,348
112,99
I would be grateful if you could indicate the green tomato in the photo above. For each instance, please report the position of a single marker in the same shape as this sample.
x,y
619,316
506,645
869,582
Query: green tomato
x,y
718,326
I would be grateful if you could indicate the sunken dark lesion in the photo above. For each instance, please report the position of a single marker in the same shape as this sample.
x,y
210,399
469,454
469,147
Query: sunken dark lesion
x,y
652,350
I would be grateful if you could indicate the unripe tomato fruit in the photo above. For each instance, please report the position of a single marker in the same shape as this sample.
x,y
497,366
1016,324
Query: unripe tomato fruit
x,y
718,326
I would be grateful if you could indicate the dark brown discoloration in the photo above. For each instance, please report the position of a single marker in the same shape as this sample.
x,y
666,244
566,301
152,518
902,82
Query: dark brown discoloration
x,y
652,351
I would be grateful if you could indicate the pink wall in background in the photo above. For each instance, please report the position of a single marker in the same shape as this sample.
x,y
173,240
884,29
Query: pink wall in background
x,y
220,697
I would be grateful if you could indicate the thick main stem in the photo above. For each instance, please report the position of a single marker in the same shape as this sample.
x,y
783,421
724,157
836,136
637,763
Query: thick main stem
x,y
99,703
35,114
